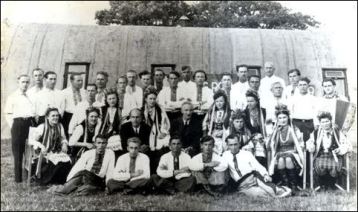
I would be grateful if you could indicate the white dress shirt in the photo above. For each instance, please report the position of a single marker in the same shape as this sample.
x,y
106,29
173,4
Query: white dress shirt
x,y
31,92
166,165
288,91
135,97
18,105
49,98
79,114
86,162
238,95
121,171
197,163
188,87
246,164
207,97
270,103
165,101
303,107
69,101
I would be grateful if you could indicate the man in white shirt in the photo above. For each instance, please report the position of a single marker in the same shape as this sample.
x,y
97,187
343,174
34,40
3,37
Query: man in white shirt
x,y
186,83
135,93
48,97
293,76
173,173
239,89
241,103
171,98
132,171
38,76
158,79
90,171
101,82
202,96
248,176
303,108
267,81
145,78
79,113
204,168
72,96
20,112
275,99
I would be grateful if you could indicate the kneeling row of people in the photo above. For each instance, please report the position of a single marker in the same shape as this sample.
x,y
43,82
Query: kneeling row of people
x,y
176,171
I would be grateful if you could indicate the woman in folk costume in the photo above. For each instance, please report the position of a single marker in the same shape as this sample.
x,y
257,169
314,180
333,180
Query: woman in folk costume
x,y
255,115
83,136
111,121
216,121
286,144
238,128
156,117
53,163
327,144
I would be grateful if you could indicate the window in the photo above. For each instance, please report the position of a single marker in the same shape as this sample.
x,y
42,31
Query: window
x,y
78,68
340,77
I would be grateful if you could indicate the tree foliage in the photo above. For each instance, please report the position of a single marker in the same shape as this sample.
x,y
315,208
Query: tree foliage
x,y
245,14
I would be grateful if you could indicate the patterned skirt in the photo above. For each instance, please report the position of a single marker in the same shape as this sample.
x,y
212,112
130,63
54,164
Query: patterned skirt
x,y
326,163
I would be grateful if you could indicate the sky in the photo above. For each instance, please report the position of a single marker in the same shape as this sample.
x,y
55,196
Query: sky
x,y
338,20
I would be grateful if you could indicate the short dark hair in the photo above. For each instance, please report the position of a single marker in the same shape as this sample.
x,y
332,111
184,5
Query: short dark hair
x,y
207,138
231,136
150,90
253,75
226,74
158,69
72,76
175,73
185,67
323,115
329,80
174,137
134,140
305,79
105,74
294,70
91,85
101,136
92,109
200,71
242,65
142,73
49,73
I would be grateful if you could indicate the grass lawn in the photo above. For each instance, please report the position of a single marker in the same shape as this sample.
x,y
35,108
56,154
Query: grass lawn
x,y
20,197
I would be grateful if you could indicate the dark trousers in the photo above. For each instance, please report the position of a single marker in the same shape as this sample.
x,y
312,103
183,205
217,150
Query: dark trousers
x,y
171,185
82,178
66,121
134,186
154,157
19,133
51,173
173,116
305,126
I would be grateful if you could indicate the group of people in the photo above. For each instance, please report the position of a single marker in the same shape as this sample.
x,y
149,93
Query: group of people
x,y
168,136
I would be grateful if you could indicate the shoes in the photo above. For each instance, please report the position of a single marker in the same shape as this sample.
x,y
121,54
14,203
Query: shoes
x,y
283,191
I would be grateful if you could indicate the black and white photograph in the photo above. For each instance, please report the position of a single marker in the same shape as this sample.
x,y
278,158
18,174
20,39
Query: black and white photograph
x,y
179,105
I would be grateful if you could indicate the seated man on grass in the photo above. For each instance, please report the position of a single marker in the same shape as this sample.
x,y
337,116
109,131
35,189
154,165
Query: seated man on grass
x,y
132,171
88,174
173,173
203,167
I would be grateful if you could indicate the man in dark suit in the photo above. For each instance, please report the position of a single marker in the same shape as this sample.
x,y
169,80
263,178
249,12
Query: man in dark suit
x,y
189,129
135,128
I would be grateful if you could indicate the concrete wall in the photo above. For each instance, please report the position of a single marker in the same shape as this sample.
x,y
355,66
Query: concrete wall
x,y
116,49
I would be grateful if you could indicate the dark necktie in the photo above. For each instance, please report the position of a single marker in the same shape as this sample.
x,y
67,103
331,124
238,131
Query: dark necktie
x,y
132,165
97,163
173,94
236,166
176,163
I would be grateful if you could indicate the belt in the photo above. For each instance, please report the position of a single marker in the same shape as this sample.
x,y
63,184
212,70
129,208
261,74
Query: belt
x,y
303,120
23,118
